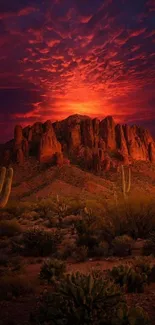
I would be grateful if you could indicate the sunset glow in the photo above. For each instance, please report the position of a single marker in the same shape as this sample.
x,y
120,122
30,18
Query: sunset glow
x,y
59,58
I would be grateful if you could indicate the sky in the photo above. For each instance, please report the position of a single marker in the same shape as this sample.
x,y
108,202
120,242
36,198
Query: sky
x,y
64,57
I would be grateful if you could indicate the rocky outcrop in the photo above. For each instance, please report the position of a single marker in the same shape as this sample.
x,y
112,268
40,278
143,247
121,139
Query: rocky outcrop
x,y
108,132
20,146
49,145
93,144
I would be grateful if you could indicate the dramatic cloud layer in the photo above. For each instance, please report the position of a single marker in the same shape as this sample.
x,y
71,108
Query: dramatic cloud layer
x,y
61,57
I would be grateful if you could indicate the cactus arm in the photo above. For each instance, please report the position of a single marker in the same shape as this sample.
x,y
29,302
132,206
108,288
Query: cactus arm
x,y
6,188
2,178
126,187
129,183
123,181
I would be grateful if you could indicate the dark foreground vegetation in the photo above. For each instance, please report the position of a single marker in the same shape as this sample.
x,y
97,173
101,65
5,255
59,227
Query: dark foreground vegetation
x,y
52,234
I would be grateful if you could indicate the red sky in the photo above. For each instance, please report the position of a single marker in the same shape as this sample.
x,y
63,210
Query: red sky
x,y
59,58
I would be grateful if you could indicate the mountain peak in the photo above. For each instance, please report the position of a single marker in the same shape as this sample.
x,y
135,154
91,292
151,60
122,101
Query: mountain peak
x,y
89,143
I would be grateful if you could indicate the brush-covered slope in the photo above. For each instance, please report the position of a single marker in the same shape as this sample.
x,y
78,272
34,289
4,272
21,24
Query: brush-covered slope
x,y
71,181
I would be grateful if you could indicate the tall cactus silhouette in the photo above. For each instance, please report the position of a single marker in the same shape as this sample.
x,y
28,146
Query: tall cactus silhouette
x,y
126,187
6,177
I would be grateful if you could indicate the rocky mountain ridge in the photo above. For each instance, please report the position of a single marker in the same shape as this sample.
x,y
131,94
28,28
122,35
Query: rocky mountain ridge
x,y
90,143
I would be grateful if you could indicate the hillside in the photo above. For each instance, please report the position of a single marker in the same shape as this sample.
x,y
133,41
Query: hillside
x,y
72,181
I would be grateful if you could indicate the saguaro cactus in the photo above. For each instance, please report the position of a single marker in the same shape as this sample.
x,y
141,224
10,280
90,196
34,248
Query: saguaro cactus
x,y
126,187
5,185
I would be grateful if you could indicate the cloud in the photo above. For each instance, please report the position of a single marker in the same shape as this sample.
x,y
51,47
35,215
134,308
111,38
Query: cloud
x,y
64,57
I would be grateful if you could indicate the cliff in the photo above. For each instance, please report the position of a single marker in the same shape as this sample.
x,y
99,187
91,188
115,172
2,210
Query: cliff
x,y
92,144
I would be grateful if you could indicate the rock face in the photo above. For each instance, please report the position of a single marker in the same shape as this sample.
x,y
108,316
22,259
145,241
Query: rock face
x,y
20,146
49,145
93,144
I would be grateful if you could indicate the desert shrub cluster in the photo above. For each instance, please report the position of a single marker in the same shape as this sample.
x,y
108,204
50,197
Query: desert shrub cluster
x,y
87,299
94,229
36,242
9,228
131,278
52,269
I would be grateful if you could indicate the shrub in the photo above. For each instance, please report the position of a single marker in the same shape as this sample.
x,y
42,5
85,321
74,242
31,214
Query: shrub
x,y
4,261
80,299
122,245
38,242
16,264
51,222
71,219
136,217
88,240
102,250
80,253
52,269
149,246
152,274
143,264
137,315
86,300
14,286
66,249
9,228
60,207
130,278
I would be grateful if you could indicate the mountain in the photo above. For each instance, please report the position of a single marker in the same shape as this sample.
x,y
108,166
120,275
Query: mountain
x,y
91,144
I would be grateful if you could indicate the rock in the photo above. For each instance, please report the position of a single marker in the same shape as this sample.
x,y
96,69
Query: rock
x,y
96,132
88,158
18,135
59,160
48,147
87,133
138,246
96,162
107,132
74,137
66,161
151,150
136,142
88,142
121,142
19,156
107,164
20,146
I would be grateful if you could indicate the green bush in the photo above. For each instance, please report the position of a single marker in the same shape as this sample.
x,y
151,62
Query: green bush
x,y
81,299
135,217
67,248
60,207
9,228
86,300
143,265
149,246
52,269
80,254
130,278
38,242
122,245
137,316
102,250
88,240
